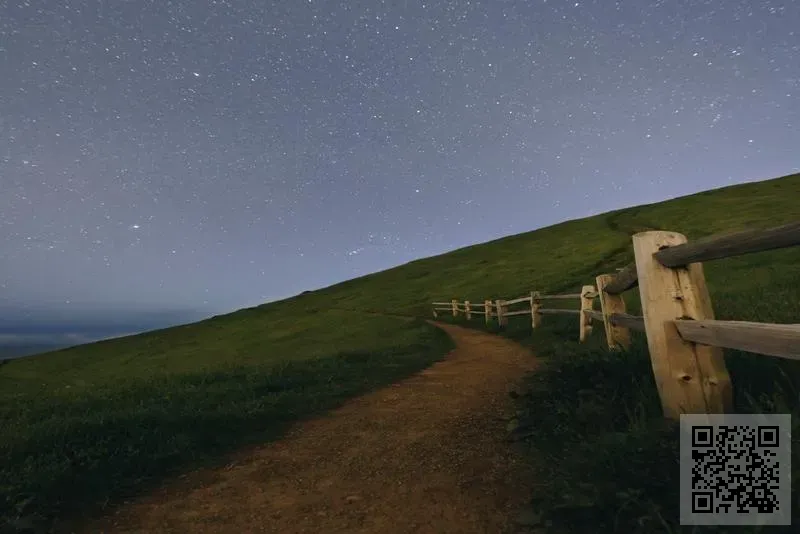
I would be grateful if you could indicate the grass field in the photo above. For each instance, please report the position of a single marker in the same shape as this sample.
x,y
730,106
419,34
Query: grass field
x,y
94,424
89,426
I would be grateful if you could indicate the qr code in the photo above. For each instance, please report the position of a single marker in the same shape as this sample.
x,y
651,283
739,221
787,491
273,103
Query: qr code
x,y
735,469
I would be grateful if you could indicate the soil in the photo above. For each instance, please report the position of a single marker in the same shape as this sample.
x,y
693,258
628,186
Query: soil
x,y
425,455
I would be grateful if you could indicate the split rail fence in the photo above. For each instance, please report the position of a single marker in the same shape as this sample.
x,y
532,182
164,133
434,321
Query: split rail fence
x,y
684,340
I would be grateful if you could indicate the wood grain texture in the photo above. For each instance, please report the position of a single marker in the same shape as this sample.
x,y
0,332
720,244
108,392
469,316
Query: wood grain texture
x,y
501,318
690,378
536,317
516,301
782,340
624,280
617,336
726,246
595,315
587,303
556,311
631,322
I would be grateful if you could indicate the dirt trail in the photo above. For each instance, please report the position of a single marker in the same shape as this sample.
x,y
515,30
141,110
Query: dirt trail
x,y
425,455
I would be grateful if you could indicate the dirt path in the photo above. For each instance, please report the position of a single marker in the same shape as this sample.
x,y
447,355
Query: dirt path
x,y
425,455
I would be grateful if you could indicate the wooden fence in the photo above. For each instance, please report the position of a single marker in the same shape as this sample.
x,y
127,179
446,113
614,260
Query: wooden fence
x,y
684,339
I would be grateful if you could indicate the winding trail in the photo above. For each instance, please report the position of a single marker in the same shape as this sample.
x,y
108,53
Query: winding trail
x,y
425,455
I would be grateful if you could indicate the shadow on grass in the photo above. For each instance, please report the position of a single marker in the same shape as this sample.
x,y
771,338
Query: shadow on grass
x,y
70,456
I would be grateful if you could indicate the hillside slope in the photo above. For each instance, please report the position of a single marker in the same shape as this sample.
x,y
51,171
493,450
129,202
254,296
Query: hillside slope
x,y
95,423
566,255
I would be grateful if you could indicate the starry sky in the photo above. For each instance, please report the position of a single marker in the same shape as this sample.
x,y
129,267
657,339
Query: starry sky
x,y
188,157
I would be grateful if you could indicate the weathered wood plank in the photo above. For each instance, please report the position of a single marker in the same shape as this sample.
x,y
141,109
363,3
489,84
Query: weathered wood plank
x,y
782,340
440,303
617,336
555,297
517,301
587,303
556,311
691,378
597,315
518,312
725,246
624,280
632,322
536,317
501,318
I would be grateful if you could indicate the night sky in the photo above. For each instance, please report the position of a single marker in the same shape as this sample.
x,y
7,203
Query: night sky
x,y
187,157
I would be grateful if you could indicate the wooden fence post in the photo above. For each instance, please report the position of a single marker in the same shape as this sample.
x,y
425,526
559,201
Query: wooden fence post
x,y
435,315
536,317
617,337
454,303
587,304
502,320
487,308
467,311
690,378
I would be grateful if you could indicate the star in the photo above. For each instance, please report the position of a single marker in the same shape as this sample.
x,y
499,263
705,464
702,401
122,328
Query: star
x,y
318,122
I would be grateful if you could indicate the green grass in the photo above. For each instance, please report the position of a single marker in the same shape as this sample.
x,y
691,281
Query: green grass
x,y
98,423
92,425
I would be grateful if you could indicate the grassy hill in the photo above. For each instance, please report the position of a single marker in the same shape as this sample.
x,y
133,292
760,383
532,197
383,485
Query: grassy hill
x,y
18,351
93,424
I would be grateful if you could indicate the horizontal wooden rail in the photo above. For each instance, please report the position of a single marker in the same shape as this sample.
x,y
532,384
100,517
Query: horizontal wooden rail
x,y
595,314
518,312
633,322
624,280
726,246
782,340
669,276
556,311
